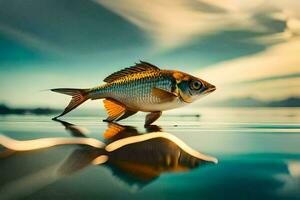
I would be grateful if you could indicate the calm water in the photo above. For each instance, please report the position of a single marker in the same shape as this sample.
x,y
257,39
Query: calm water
x,y
258,152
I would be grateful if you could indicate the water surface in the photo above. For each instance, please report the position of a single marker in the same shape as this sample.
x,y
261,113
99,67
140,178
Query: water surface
x,y
258,152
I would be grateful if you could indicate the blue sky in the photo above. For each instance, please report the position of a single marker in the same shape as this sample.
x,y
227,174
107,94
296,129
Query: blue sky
x,y
246,49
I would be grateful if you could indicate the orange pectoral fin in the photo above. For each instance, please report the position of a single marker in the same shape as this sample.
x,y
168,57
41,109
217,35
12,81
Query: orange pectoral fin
x,y
163,94
114,109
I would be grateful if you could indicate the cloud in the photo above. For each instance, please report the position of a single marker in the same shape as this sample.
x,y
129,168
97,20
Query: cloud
x,y
80,29
240,77
31,40
171,23
279,60
255,75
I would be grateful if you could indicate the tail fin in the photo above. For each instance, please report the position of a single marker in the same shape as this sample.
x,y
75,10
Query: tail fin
x,y
78,97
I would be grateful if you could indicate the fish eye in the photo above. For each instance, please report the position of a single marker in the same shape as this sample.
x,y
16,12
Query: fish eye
x,y
195,85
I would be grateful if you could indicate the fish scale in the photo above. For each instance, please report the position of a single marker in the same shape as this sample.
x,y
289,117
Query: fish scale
x,y
143,87
137,88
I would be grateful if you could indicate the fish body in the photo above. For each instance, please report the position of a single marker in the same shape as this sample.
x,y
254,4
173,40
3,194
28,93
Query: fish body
x,y
136,91
143,87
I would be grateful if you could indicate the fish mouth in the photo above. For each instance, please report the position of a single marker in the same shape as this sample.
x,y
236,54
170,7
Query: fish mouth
x,y
210,89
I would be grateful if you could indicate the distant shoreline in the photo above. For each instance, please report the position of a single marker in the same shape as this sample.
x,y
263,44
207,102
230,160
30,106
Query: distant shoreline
x,y
5,110
252,102
292,102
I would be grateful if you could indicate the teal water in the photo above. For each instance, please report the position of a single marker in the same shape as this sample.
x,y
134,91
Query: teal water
x,y
258,152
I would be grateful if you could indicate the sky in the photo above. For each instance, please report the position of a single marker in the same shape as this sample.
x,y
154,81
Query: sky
x,y
245,48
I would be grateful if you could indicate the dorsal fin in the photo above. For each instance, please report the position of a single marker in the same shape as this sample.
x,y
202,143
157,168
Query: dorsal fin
x,y
138,67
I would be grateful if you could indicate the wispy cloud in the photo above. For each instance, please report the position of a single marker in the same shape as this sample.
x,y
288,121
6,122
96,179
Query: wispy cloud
x,y
281,60
31,40
271,74
171,23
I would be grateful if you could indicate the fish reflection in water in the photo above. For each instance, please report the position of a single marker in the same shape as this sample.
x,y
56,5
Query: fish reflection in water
x,y
74,130
141,158
135,158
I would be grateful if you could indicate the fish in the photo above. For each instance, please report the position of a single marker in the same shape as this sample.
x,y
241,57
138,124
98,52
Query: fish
x,y
143,87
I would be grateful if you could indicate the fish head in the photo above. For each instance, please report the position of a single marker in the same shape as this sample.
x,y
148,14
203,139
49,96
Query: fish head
x,y
191,88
